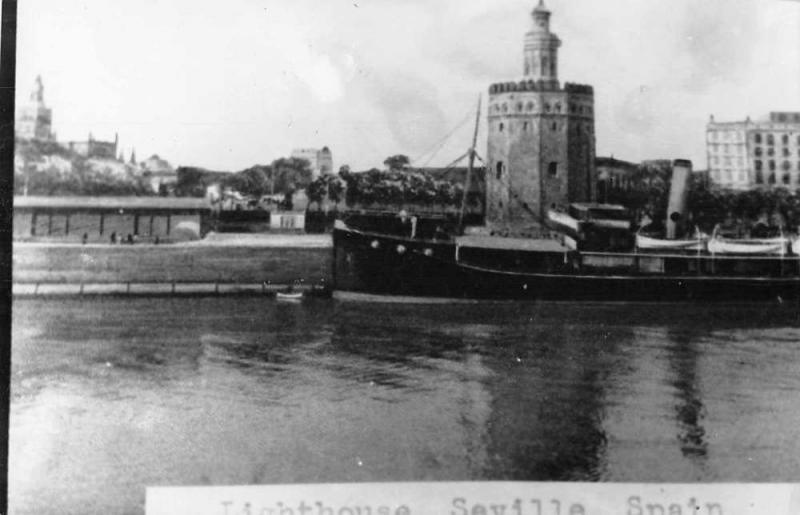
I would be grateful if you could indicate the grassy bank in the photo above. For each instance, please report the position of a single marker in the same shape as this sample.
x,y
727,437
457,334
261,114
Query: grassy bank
x,y
282,264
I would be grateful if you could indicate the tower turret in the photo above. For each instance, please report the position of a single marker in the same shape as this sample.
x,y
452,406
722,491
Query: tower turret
x,y
541,48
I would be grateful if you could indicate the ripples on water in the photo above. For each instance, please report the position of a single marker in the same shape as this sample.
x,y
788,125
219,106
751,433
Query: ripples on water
x,y
112,395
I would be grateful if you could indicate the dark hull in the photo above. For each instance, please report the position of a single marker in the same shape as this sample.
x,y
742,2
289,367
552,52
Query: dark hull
x,y
389,265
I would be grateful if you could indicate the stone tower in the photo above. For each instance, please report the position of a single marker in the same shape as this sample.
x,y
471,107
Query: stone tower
x,y
35,119
541,145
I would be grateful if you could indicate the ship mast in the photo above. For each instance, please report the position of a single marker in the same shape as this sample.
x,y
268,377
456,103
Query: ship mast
x,y
468,182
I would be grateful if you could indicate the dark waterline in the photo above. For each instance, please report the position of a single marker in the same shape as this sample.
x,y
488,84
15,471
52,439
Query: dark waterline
x,y
111,395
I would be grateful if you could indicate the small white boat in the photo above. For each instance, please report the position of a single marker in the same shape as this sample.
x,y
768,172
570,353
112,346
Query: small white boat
x,y
647,243
289,295
770,246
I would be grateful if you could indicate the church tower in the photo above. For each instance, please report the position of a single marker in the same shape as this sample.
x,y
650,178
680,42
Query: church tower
x,y
541,144
35,118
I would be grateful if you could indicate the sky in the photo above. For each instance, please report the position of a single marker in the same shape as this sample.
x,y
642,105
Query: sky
x,y
226,85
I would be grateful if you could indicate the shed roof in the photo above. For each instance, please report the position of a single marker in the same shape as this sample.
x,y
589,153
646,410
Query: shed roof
x,y
102,203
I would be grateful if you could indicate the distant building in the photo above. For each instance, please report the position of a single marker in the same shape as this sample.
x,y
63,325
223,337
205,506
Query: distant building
x,y
541,144
98,218
755,154
35,119
92,148
321,159
159,172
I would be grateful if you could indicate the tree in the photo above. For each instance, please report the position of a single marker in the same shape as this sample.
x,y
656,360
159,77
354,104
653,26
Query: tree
x,y
290,174
397,162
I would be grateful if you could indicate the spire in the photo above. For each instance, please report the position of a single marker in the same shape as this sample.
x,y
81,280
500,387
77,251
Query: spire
x,y
541,48
133,157
37,95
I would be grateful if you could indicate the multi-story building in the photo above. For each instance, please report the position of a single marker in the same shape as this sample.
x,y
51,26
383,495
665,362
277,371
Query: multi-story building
x,y
755,154
321,159
35,119
92,148
541,144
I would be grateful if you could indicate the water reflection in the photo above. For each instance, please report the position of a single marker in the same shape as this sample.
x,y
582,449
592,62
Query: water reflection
x,y
683,357
327,391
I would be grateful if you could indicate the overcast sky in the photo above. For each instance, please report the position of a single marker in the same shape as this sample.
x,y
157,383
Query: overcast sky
x,y
226,85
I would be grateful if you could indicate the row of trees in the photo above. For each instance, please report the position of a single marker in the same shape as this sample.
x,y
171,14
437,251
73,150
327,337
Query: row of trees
x,y
388,189
708,206
81,180
283,176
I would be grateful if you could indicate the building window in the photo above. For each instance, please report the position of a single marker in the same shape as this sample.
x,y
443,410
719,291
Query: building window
x,y
771,178
500,127
770,151
546,107
758,152
757,138
572,108
552,169
786,165
759,165
558,107
519,106
772,166
786,178
525,126
770,139
786,152
759,177
499,168
530,106
785,139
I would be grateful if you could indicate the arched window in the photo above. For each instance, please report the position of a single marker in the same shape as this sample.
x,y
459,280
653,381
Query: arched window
x,y
499,167
545,65
552,169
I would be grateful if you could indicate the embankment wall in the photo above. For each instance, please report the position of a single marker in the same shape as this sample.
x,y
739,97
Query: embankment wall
x,y
34,263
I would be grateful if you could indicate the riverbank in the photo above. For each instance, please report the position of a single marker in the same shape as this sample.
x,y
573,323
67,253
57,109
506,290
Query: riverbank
x,y
222,260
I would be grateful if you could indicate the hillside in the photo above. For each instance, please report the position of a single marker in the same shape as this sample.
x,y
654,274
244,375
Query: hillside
x,y
47,168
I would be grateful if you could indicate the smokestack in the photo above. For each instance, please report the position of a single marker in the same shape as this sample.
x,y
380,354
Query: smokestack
x,y
677,209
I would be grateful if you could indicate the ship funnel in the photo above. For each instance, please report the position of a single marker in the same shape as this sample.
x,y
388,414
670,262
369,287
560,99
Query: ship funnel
x,y
677,209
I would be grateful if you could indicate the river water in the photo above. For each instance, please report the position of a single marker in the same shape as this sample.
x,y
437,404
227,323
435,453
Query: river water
x,y
111,395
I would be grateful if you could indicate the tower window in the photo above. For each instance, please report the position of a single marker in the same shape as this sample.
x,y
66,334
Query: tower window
x,y
525,126
552,169
500,127
499,168
554,126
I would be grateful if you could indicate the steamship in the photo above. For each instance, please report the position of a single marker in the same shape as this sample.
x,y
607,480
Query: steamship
x,y
540,170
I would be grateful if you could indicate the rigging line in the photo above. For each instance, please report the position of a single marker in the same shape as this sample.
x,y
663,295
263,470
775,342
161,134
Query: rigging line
x,y
441,142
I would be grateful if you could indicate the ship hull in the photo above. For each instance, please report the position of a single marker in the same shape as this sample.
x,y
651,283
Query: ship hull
x,y
374,264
